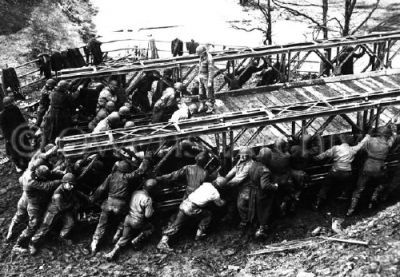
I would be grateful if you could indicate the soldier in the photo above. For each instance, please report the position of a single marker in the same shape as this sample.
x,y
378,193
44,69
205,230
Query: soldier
x,y
280,168
204,82
341,171
166,105
110,92
112,121
194,175
136,225
44,102
101,114
117,189
63,205
141,90
237,177
124,114
37,191
194,207
374,168
162,84
256,197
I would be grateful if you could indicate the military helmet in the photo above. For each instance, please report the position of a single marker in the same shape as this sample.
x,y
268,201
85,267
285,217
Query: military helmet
x,y
264,156
150,184
123,111
110,106
220,181
51,83
114,119
200,49
7,101
48,147
124,166
245,150
63,85
42,171
69,178
178,86
201,158
129,124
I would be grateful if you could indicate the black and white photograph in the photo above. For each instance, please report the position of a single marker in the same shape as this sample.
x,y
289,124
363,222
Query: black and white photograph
x,y
191,138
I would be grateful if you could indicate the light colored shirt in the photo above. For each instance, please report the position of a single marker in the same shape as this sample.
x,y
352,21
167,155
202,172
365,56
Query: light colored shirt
x,y
205,194
240,172
102,126
141,205
106,93
181,114
342,155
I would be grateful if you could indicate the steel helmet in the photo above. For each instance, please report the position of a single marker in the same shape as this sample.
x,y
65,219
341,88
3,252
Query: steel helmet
x,y
69,178
123,111
63,85
150,184
178,86
245,150
42,171
129,124
51,83
48,147
264,156
114,119
193,108
110,106
124,166
200,49
220,181
201,158
7,101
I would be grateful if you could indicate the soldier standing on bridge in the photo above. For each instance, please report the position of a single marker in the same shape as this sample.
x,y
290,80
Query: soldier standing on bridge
x,y
44,102
205,82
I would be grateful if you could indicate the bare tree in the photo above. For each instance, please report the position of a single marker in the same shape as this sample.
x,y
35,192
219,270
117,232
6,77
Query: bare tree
x,y
266,28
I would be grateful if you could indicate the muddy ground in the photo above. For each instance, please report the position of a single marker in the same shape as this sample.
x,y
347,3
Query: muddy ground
x,y
223,253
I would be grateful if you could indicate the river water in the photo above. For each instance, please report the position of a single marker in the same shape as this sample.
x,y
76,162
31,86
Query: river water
x,y
206,21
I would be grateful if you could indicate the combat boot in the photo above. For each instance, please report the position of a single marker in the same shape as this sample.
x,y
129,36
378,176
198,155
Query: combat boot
x,y
112,254
32,249
93,246
261,232
163,245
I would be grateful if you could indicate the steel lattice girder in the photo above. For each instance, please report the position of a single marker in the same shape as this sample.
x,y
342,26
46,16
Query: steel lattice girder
x,y
214,124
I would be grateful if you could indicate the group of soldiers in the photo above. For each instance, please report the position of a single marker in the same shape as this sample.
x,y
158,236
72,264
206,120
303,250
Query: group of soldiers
x,y
254,189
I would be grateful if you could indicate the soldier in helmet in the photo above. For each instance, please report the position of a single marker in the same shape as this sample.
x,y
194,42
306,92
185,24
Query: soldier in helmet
x,y
136,225
129,124
110,92
204,82
124,114
64,203
256,197
44,102
162,84
340,174
166,105
101,114
238,177
193,175
37,190
114,194
374,169
112,121
194,206
184,112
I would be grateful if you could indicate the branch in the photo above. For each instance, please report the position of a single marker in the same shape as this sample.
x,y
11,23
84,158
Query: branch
x,y
337,21
260,7
299,5
297,13
249,30
366,18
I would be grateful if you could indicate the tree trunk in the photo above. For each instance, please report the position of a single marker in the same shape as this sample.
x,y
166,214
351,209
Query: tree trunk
x,y
348,11
269,24
325,68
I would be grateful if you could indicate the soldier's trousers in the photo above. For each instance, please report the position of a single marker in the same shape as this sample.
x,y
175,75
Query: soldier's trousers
x,y
34,213
378,179
204,215
111,208
335,178
205,92
53,214
132,228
